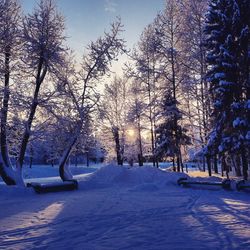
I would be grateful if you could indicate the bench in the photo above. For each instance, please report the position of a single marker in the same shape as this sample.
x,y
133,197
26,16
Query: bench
x,y
242,185
226,184
53,187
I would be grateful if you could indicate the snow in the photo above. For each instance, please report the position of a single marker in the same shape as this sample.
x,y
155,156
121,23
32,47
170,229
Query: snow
x,y
219,75
225,83
125,208
239,122
236,122
248,135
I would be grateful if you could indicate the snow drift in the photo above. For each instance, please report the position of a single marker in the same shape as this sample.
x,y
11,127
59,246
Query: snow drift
x,y
146,177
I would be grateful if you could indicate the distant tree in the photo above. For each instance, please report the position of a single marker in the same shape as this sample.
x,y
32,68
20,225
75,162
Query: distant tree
x,y
168,137
81,88
136,113
113,113
168,29
196,100
145,70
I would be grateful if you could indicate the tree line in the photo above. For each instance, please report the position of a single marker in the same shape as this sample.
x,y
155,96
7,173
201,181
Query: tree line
x,y
187,86
183,94
43,95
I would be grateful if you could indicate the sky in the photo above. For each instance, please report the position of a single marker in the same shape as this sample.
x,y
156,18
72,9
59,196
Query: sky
x,y
86,20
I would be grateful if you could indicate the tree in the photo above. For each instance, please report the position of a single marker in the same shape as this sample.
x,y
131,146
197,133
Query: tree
x,y
135,115
145,70
227,29
168,137
113,113
43,38
10,19
82,87
168,29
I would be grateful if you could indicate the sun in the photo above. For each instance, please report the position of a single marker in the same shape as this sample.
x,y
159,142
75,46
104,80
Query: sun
x,y
131,132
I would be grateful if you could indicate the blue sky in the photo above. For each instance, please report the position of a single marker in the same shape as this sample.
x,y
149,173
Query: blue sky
x,y
87,19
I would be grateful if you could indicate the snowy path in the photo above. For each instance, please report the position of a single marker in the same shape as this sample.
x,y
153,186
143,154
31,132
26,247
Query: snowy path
x,y
127,217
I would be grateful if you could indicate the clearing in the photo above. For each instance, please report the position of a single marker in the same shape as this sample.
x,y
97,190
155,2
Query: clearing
x,y
125,208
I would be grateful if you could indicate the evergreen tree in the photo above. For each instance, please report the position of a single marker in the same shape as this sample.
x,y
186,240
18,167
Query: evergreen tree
x,y
227,30
169,138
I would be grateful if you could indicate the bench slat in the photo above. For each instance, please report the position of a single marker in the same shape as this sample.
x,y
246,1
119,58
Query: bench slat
x,y
226,184
242,184
53,187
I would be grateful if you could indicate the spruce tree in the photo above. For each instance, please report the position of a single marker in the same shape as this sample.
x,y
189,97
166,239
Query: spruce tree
x,y
169,138
227,30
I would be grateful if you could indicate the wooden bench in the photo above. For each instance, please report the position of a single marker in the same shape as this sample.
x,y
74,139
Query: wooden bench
x,y
226,184
242,185
53,187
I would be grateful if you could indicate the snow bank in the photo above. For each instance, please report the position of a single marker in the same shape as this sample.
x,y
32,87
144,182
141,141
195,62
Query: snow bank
x,y
141,178
44,171
15,191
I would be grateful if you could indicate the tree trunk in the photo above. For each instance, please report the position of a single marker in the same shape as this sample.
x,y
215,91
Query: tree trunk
x,y
76,160
31,161
117,146
203,164
224,166
140,160
87,158
178,163
140,155
31,156
6,169
64,170
181,162
41,73
237,163
174,168
209,166
244,164
215,164
7,178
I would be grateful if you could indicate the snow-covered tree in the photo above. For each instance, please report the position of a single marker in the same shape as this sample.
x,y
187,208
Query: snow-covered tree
x,y
136,115
82,87
145,71
168,137
43,51
168,29
10,19
113,114
196,100
227,29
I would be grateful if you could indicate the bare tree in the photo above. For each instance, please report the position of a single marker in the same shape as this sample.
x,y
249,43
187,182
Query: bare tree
x,y
43,38
10,19
195,83
113,113
82,88
136,114
168,25
145,70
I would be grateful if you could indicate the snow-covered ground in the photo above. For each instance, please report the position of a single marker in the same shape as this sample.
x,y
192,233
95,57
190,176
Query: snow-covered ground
x,y
124,208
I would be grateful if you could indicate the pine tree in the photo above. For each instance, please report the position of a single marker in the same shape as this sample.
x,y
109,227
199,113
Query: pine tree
x,y
169,138
227,30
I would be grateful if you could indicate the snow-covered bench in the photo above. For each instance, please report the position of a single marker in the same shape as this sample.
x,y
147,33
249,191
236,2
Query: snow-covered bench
x,y
226,184
53,186
243,185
